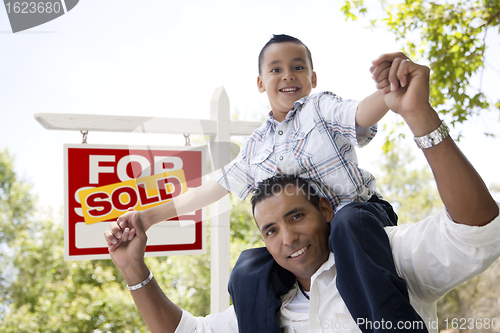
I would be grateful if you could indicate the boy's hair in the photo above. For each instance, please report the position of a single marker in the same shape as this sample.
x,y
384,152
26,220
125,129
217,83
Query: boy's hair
x,y
282,39
280,183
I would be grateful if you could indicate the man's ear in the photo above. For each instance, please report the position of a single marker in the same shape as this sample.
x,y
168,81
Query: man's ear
x,y
326,209
260,85
314,79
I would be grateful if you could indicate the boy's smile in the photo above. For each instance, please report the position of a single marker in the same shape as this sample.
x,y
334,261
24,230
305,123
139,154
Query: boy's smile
x,y
286,76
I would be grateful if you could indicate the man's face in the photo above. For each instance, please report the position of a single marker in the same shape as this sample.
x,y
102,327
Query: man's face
x,y
286,75
295,232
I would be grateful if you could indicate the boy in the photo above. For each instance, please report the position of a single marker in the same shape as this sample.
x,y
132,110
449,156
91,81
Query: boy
x,y
311,137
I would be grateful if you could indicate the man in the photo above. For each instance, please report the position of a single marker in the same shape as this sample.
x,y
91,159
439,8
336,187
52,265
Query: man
x,y
433,255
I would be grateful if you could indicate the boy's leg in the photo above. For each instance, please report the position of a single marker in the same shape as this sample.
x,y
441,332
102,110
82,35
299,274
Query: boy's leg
x,y
255,285
366,276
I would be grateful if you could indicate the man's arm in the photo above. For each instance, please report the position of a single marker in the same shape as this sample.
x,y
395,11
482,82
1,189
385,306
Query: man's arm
x,y
159,313
462,190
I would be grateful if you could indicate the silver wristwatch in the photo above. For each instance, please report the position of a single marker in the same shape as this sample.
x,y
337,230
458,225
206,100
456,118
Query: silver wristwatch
x,y
433,138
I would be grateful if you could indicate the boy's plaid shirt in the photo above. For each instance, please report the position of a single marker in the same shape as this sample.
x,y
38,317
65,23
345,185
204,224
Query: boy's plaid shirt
x,y
316,141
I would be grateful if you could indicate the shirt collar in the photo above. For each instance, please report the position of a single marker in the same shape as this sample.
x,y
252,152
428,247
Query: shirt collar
x,y
291,114
327,265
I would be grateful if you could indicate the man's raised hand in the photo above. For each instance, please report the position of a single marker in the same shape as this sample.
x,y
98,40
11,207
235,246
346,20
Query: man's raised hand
x,y
122,230
404,83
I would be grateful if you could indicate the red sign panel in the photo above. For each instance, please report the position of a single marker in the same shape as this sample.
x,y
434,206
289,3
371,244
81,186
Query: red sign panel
x,y
89,167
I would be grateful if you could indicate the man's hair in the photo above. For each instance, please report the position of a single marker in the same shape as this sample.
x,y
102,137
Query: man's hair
x,y
282,39
281,183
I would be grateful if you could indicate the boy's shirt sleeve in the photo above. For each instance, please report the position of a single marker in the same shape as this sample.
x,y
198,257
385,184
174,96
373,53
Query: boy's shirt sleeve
x,y
236,177
340,117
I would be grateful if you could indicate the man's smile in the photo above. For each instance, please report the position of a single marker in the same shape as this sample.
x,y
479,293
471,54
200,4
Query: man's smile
x,y
299,252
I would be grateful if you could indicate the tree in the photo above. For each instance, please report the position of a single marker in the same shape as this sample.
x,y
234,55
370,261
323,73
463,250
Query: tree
x,y
411,190
452,38
40,291
476,301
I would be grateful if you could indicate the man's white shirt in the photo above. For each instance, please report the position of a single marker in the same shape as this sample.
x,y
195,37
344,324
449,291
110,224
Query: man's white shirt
x,y
433,256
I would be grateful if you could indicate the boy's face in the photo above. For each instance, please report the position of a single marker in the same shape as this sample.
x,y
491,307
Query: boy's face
x,y
286,76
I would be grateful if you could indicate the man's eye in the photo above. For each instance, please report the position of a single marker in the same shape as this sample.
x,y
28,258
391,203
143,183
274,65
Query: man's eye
x,y
275,70
297,216
270,232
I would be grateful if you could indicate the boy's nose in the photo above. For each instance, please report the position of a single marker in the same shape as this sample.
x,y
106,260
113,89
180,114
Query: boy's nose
x,y
288,76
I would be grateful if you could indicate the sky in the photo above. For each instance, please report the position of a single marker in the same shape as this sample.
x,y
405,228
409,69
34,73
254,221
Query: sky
x,y
165,58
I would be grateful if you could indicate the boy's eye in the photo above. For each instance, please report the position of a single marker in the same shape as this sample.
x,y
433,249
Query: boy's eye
x,y
275,70
298,68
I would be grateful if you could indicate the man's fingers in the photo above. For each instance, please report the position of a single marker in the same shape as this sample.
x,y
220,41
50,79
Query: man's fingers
x,y
393,74
126,235
131,234
389,57
403,72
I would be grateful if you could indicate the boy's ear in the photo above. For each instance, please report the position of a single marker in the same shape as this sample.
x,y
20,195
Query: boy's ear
x,y
260,85
314,79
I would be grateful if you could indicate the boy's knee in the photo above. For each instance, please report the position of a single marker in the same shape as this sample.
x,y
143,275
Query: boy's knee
x,y
362,215
349,217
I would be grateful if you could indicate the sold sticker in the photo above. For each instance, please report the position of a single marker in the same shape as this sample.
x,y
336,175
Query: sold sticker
x,y
111,201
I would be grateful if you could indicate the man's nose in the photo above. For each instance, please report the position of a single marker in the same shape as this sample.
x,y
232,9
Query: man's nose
x,y
289,236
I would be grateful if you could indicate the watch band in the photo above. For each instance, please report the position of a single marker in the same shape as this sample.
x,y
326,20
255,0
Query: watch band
x,y
142,284
433,138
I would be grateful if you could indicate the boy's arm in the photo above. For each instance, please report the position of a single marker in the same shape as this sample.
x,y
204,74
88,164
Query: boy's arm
x,y
194,199
371,109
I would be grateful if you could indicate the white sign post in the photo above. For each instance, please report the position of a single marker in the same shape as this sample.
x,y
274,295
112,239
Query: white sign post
x,y
219,128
